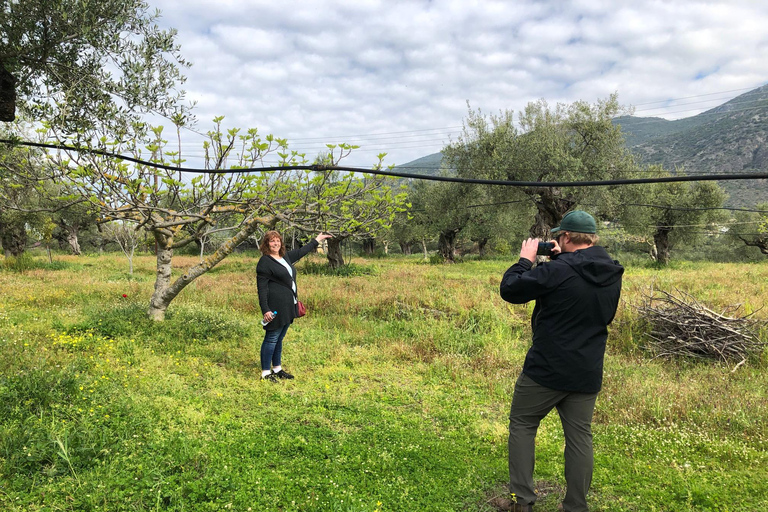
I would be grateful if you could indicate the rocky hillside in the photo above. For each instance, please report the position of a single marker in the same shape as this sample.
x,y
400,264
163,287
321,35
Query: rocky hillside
x,y
727,139
731,138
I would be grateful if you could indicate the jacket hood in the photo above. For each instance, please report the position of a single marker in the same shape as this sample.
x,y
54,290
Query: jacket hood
x,y
594,265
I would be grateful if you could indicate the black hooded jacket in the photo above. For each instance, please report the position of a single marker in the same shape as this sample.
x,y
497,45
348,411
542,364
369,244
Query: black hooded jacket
x,y
576,296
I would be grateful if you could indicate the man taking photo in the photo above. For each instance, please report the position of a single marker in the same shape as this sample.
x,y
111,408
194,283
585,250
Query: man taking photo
x,y
576,295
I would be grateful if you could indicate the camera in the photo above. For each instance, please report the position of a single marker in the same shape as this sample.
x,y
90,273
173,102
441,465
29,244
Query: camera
x,y
545,248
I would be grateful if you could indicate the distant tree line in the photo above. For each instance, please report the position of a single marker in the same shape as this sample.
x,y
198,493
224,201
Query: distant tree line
x,y
85,79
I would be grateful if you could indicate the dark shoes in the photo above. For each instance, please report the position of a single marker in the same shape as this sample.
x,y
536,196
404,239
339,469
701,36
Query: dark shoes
x,y
275,376
508,505
272,377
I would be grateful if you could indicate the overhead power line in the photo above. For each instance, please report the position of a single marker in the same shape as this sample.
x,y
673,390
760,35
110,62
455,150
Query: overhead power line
x,y
358,170
747,98
415,139
696,96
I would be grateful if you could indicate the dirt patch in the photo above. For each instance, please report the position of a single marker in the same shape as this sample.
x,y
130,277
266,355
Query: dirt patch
x,y
548,493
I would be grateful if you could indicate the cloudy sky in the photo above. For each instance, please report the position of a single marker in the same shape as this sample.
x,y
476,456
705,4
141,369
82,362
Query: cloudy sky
x,y
395,76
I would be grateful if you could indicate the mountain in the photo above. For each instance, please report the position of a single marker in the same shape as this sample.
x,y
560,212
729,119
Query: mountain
x,y
730,138
429,165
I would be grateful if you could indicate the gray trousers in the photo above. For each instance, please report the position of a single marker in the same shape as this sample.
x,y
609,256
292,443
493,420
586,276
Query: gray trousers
x,y
530,404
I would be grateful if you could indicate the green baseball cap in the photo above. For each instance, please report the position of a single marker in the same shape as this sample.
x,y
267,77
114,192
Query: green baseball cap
x,y
578,221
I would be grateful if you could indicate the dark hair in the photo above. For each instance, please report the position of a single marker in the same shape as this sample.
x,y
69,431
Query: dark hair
x,y
268,237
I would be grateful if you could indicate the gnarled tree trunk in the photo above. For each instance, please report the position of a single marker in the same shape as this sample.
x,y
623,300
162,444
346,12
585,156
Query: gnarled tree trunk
x,y
73,242
550,209
334,255
70,236
446,244
481,245
13,237
661,240
369,245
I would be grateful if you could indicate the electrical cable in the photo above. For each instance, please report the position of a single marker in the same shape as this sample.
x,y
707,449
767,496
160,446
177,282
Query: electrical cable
x,y
378,172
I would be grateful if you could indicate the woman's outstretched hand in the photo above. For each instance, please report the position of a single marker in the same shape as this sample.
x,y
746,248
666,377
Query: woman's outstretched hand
x,y
322,236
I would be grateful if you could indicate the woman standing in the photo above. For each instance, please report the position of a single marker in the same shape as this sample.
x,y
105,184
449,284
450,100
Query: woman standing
x,y
276,284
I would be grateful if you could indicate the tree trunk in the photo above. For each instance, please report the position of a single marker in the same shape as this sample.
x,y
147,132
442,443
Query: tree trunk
x,y
481,245
7,95
760,242
165,290
74,244
334,255
550,209
446,245
424,248
102,240
13,238
162,296
385,243
406,247
69,235
653,252
130,259
368,246
661,239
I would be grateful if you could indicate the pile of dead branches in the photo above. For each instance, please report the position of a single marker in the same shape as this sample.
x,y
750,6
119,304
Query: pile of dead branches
x,y
680,326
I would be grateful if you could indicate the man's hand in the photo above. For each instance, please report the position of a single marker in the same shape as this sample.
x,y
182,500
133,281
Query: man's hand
x,y
556,249
529,248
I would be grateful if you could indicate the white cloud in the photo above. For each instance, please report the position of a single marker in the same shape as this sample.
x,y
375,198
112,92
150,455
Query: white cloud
x,y
323,69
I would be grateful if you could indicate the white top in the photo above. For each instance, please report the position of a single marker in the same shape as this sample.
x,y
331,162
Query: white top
x,y
290,273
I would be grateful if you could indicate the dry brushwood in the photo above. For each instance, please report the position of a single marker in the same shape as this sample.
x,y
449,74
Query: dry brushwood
x,y
680,326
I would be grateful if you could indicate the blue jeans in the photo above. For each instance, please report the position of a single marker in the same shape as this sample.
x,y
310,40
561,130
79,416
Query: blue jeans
x,y
272,347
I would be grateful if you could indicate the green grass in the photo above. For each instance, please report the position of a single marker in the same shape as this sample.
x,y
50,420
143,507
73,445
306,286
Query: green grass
x,y
404,378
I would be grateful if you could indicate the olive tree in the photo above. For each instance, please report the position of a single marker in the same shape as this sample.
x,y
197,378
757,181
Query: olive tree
x,y
78,64
20,201
751,228
87,71
565,143
670,213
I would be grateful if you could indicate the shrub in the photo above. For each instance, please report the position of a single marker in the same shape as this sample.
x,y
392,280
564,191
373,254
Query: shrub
x,y
348,270
21,263
182,325
25,262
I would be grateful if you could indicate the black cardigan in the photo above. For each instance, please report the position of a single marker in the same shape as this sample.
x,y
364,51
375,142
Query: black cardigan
x,y
274,296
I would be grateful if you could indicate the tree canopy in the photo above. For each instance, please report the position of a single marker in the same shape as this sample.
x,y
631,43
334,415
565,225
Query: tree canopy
x,y
677,212
80,63
751,228
566,143
178,210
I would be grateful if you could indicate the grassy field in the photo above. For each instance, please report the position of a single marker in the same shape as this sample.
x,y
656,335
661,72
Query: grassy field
x,y
400,402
